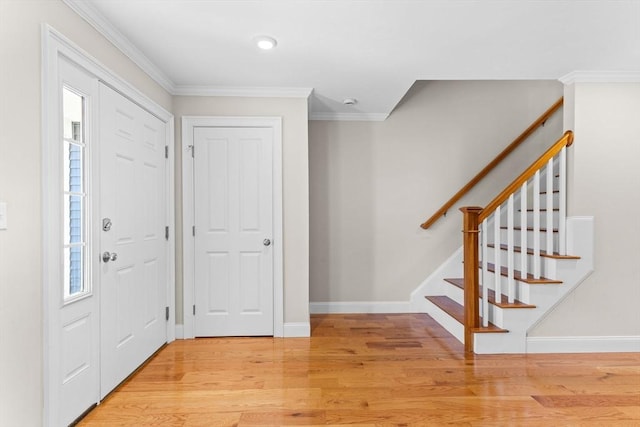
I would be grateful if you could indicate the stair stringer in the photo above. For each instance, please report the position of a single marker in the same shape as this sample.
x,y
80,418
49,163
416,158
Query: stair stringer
x,y
580,242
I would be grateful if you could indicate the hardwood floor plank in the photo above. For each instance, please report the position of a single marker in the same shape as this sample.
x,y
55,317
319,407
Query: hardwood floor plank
x,y
282,418
600,400
371,370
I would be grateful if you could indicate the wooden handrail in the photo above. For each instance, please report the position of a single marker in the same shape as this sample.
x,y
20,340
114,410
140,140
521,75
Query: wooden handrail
x,y
565,141
484,172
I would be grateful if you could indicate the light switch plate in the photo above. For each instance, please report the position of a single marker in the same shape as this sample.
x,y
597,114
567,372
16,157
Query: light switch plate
x,y
3,215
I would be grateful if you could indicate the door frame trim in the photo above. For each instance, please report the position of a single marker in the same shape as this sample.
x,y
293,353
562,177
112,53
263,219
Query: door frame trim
x,y
189,123
54,45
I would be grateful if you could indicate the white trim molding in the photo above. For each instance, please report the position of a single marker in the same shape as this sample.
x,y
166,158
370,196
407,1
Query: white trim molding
x,y
189,123
104,27
247,92
349,117
297,330
179,332
600,77
586,344
377,307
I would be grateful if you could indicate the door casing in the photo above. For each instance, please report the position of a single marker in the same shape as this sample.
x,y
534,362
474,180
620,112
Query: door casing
x,y
189,123
54,46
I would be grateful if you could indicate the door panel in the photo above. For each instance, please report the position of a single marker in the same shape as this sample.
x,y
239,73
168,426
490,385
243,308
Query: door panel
x,y
132,195
233,217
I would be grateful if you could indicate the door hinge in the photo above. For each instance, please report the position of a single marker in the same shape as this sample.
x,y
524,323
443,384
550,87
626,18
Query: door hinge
x,y
193,230
194,309
193,151
166,233
166,313
166,151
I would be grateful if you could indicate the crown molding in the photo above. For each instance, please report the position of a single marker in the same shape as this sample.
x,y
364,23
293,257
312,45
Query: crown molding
x,y
250,92
600,77
104,27
94,18
349,117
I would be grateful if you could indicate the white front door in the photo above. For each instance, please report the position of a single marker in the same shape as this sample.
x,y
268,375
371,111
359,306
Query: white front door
x,y
132,237
233,171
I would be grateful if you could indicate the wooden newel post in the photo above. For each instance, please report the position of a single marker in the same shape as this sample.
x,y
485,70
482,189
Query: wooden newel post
x,y
471,286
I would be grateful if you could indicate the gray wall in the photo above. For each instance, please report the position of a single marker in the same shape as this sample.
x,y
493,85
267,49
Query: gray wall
x,y
604,183
373,183
295,187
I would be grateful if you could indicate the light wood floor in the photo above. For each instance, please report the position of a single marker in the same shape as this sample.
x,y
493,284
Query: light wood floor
x,y
371,370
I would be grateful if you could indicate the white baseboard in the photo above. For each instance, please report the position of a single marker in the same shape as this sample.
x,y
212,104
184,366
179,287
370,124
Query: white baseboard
x,y
593,344
291,330
179,332
341,307
297,330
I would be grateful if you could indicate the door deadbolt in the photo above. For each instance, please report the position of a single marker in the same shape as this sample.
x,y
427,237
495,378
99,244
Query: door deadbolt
x,y
106,224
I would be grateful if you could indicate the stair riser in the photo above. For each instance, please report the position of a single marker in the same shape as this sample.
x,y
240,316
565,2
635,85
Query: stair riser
x,y
523,291
503,317
547,265
517,219
496,315
543,200
530,235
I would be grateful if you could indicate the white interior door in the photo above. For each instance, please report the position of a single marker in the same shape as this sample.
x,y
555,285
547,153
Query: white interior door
x,y
132,236
233,203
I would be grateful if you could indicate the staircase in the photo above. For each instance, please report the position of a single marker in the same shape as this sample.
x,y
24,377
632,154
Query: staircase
x,y
521,256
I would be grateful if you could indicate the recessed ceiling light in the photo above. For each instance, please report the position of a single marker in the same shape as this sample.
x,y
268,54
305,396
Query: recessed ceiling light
x,y
266,42
349,101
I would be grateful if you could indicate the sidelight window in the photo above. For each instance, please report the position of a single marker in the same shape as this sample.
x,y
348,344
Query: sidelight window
x,y
74,195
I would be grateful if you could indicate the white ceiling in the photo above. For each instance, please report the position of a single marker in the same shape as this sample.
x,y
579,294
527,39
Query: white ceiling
x,y
369,50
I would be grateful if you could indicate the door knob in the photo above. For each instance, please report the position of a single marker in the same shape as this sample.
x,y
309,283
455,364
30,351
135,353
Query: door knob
x,y
106,257
266,242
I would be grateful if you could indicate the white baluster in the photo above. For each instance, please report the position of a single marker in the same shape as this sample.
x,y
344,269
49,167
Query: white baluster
x,y
496,253
550,207
562,199
523,230
485,266
510,251
536,225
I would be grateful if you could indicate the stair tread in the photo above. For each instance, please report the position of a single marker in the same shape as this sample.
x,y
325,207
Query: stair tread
x,y
517,276
554,255
504,303
456,311
542,230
